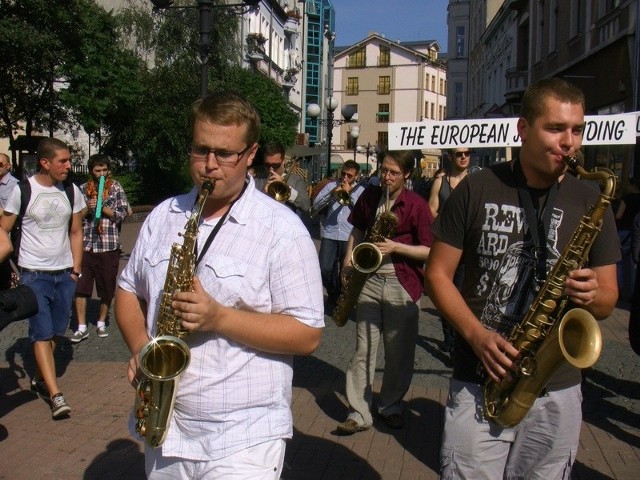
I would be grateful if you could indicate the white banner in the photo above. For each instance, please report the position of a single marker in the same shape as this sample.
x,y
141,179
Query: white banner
x,y
618,129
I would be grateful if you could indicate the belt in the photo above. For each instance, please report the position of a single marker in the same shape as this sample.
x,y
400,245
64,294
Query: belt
x,y
48,272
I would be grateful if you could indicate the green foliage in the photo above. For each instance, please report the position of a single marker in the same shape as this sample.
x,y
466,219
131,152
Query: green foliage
x,y
133,186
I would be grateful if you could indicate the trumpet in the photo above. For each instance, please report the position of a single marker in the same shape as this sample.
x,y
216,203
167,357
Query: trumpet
x,y
337,194
279,190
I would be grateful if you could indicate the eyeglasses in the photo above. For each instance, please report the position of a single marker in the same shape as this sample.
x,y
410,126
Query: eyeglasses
x,y
223,157
384,172
275,166
462,154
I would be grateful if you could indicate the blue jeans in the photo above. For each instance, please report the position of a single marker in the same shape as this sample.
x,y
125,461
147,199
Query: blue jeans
x,y
331,256
55,297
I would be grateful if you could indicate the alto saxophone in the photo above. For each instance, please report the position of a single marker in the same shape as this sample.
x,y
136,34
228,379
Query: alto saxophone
x,y
366,258
163,359
547,337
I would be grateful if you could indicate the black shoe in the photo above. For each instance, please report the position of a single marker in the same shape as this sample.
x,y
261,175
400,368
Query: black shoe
x,y
39,387
394,420
59,406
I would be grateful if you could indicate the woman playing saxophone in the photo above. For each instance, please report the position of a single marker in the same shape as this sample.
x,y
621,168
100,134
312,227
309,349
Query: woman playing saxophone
x,y
510,226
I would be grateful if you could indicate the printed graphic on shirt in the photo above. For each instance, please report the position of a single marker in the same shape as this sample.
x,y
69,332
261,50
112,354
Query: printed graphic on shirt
x,y
50,210
507,255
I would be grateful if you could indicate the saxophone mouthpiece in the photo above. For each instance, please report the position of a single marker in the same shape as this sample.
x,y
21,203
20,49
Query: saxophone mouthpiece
x,y
208,184
572,162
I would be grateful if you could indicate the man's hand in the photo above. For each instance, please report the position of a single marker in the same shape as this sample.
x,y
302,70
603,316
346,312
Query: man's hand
x,y
581,286
197,310
495,353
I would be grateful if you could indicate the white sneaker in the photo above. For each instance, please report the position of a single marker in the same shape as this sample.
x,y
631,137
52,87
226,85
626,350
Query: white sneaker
x,y
78,336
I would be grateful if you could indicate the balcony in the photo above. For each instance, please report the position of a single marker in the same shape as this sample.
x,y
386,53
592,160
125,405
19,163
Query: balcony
x,y
517,82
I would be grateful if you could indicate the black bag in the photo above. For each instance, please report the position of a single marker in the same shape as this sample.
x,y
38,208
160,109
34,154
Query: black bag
x,y
17,304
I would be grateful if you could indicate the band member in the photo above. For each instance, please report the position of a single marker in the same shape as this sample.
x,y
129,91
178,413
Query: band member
x,y
387,305
334,203
257,301
508,225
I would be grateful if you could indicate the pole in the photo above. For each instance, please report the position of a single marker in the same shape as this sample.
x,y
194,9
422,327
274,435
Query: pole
x,y
204,7
329,140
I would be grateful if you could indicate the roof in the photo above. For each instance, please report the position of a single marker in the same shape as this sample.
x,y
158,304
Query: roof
x,y
408,46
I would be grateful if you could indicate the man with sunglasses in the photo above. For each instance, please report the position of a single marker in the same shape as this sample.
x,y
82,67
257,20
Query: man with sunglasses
x,y
334,226
387,307
274,164
257,302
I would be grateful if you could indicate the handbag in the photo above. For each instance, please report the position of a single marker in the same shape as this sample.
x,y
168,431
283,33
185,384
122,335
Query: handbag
x,y
17,303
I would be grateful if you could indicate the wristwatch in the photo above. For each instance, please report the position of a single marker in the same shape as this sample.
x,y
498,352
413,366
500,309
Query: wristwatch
x,y
77,274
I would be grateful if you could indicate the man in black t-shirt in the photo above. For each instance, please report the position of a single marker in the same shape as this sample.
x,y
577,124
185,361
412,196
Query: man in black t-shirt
x,y
485,224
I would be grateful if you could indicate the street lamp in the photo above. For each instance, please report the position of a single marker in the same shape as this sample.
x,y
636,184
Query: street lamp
x,y
355,133
368,149
204,9
331,103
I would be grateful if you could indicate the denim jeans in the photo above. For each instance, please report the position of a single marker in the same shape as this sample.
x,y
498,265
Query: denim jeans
x,y
55,297
331,256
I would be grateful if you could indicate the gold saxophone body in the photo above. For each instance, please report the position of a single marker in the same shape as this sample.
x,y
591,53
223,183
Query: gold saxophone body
x,y
366,258
163,359
547,336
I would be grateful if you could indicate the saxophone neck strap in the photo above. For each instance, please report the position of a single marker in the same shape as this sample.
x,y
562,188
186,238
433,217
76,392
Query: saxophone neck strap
x,y
538,215
217,228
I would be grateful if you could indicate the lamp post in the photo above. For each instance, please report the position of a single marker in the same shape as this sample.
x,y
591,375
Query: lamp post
x,y
204,9
314,110
355,133
368,150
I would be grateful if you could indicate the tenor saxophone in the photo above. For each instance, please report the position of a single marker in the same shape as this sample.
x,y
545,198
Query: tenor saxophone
x,y
547,336
163,359
366,258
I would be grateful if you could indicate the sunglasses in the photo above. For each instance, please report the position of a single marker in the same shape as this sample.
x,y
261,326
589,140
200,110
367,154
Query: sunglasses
x,y
462,154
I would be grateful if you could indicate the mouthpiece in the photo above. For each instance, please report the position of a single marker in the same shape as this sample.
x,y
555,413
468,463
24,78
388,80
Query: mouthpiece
x,y
208,185
572,162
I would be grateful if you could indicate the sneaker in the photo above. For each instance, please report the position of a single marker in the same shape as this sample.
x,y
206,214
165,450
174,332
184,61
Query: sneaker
x,y
39,387
78,336
59,406
102,332
349,427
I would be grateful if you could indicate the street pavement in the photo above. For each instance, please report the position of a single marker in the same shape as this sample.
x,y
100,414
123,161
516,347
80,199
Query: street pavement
x,y
94,443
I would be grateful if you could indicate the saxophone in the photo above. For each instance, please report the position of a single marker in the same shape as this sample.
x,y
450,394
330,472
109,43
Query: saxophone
x,y
366,258
163,359
546,337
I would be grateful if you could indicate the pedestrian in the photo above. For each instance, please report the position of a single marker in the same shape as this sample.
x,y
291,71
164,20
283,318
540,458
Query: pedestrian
x,y
256,302
486,225
276,166
441,189
101,240
49,257
7,183
333,205
387,304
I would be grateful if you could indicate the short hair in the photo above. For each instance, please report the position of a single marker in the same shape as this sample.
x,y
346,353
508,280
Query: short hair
x,y
535,95
273,148
227,108
404,158
351,164
6,157
48,147
98,159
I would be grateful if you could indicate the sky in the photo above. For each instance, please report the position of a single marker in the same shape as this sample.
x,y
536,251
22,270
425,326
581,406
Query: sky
x,y
404,20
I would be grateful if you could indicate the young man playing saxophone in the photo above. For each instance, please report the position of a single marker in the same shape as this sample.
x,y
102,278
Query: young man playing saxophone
x,y
257,301
508,225
387,305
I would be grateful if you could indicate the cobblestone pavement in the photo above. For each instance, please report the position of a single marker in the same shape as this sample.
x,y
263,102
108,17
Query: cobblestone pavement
x,y
94,443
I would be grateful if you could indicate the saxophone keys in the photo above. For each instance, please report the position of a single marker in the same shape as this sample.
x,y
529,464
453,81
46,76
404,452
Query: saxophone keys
x,y
549,305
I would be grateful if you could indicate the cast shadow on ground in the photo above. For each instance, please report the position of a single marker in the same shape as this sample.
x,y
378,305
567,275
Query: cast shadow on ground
x,y
123,459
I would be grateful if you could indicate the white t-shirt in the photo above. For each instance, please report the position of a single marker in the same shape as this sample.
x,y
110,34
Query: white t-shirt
x,y
45,241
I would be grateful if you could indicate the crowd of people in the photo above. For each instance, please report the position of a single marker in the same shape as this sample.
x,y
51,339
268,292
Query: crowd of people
x,y
251,293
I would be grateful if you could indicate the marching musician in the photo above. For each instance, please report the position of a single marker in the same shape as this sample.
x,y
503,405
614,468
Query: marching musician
x,y
257,302
387,305
334,226
508,225
101,239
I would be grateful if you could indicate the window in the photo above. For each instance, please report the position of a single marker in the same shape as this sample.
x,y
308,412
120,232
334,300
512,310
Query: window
x,y
384,85
442,92
352,86
575,25
458,99
433,111
460,41
358,59
383,113
383,141
433,83
426,82
385,56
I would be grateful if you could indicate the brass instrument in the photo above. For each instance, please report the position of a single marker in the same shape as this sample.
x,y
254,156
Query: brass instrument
x,y
366,258
337,194
279,190
163,359
546,337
